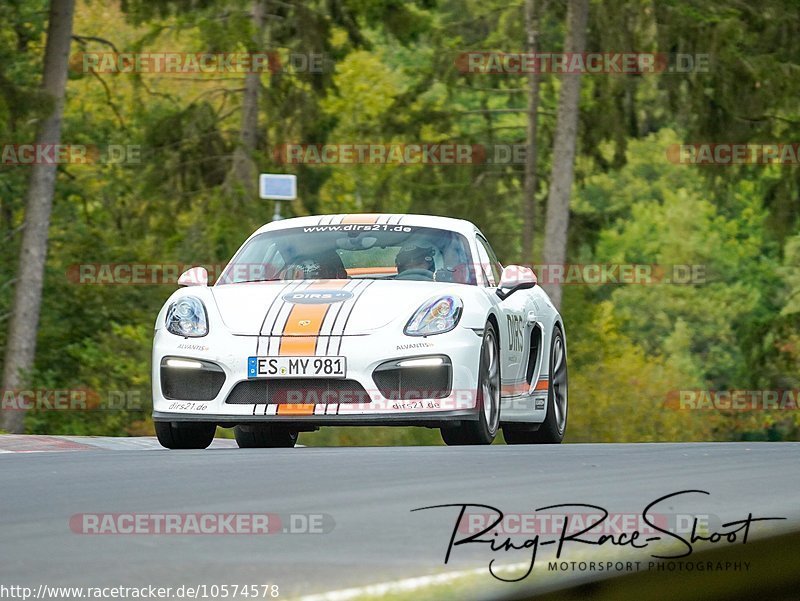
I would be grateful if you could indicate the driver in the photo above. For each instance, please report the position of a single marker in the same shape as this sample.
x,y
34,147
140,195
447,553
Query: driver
x,y
325,266
415,263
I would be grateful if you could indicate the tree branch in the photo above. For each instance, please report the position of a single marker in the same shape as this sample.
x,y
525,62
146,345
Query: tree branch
x,y
109,99
82,39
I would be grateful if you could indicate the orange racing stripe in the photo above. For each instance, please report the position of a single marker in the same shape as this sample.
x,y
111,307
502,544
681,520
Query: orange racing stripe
x,y
296,409
299,337
522,387
301,329
514,388
371,270
366,218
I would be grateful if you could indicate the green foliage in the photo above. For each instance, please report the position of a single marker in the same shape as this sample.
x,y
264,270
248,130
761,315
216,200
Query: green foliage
x,y
620,393
662,218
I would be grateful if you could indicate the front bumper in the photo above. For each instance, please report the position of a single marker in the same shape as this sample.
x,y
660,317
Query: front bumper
x,y
365,353
433,419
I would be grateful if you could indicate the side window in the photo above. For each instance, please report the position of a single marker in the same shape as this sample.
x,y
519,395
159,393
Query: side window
x,y
491,266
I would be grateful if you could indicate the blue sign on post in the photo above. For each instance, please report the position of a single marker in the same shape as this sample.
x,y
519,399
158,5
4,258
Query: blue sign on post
x,y
277,186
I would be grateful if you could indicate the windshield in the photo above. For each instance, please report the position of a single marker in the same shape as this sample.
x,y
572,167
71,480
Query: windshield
x,y
385,252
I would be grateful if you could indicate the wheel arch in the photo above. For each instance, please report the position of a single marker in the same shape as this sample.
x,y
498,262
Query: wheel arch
x,y
492,318
559,323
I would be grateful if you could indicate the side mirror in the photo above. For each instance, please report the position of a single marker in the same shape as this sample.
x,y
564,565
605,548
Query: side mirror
x,y
196,276
515,277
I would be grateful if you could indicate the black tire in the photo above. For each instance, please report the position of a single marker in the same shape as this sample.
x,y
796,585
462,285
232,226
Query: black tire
x,y
264,436
173,435
550,431
485,428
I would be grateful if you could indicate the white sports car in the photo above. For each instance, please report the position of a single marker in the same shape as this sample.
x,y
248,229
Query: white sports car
x,y
360,320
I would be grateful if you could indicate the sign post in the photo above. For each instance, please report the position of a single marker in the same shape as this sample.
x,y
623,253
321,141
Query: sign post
x,y
277,187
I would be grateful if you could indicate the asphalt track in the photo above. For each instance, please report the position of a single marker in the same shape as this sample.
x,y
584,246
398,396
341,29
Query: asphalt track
x,y
365,495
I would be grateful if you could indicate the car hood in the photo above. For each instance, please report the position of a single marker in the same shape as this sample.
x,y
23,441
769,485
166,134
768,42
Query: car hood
x,y
362,306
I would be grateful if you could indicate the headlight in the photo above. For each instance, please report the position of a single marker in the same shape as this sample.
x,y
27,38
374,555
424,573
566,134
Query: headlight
x,y
187,317
436,316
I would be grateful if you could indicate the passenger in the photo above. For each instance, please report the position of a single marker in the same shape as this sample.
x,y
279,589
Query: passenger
x,y
455,267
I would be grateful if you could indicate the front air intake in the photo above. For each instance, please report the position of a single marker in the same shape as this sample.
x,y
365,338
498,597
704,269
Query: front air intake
x,y
289,391
201,382
398,382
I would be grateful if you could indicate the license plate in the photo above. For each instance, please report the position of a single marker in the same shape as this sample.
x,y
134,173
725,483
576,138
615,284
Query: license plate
x,y
296,367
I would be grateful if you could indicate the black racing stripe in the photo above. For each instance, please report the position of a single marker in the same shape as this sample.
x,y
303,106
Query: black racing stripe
x,y
350,287
292,288
353,306
338,313
342,311
263,321
318,341
275,338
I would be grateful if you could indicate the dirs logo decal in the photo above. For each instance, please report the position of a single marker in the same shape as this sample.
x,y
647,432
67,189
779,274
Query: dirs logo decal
x,y
516,335
317,297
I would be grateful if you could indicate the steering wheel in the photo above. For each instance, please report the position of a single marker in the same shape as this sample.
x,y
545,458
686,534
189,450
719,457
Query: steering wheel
x,y
415,274
325,272
294,269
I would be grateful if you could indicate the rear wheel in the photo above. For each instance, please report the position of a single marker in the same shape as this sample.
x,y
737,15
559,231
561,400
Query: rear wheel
x,y
175,435
484,430
552,430
264,436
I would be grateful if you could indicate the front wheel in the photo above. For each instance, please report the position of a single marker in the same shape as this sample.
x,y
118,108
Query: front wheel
x,y
174,435
264,436
484,429
552,430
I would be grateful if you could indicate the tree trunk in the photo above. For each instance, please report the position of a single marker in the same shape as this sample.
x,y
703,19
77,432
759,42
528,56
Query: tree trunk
x,y
243,172
529,187
562,173
24,323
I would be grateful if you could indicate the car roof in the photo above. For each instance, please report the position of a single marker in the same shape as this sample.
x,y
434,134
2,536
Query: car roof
x,y
462,226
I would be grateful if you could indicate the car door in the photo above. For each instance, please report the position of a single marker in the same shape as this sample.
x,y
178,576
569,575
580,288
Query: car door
x,y
514,331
